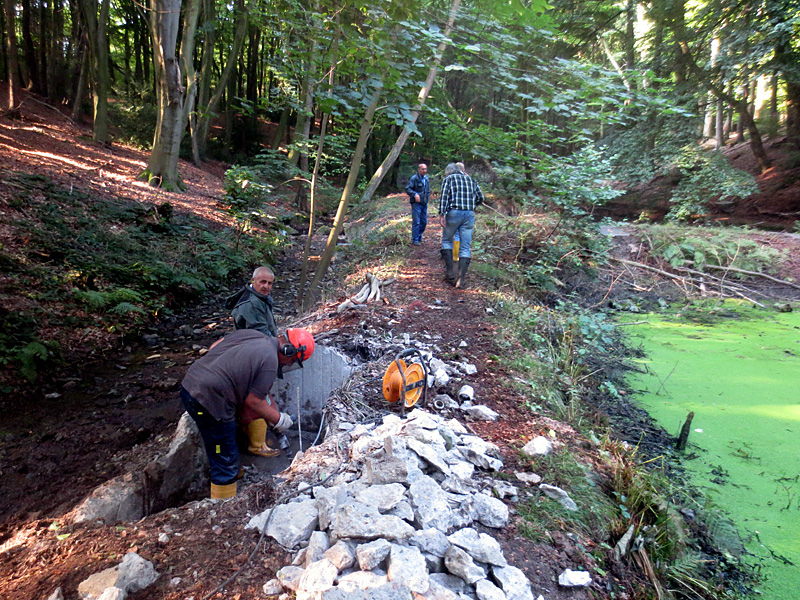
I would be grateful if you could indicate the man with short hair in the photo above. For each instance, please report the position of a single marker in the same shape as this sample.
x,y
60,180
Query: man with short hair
x,y
251,306
419,191
233,379
457,203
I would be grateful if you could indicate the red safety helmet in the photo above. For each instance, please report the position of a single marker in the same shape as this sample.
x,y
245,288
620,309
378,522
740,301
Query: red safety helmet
x,y
300,346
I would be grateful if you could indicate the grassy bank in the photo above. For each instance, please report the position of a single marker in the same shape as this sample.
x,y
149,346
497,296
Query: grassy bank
x,y
83,273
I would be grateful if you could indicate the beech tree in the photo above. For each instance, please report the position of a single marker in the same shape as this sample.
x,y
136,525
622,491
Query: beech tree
x,y
175,90
95,20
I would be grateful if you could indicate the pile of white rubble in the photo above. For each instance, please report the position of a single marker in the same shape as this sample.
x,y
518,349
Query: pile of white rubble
x,y
399,521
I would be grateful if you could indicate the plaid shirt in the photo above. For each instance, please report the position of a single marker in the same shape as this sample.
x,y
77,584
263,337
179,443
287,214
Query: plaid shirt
x,y
459,192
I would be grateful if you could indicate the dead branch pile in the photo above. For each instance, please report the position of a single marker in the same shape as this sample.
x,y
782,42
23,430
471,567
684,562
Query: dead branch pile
x,y
371,290
689,280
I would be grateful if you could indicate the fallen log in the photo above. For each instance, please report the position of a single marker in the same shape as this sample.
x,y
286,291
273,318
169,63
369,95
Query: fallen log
x,y
371,290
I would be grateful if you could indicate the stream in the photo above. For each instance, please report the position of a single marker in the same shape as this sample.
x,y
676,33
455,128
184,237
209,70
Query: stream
x,y
739,375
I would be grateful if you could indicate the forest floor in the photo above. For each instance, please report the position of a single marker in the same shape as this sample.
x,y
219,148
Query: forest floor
x,y
104,414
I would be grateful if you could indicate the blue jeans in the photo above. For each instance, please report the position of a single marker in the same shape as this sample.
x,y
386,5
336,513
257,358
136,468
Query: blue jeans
x,y
419,220
463,223
219,438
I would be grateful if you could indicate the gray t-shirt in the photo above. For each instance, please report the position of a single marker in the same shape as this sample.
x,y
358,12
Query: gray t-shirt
x,y
244,362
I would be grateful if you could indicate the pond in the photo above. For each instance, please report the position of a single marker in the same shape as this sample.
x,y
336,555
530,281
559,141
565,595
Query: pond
x,y
740,376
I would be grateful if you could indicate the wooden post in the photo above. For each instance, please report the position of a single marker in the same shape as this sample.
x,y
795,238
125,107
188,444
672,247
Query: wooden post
x,y
684,436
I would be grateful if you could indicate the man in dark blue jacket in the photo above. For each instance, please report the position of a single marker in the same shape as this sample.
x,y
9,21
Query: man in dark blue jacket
x,y
419,191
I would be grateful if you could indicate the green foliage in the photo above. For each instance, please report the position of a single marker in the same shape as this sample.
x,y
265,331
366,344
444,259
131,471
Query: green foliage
x,y
134,122
21,348
577,183
666,147
702,247
596,512
642,495
105,264
705,177
244,189
111,300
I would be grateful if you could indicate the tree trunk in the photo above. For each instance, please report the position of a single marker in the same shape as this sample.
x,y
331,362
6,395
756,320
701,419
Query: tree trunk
x,y
338,222
206,110
774,117
387,163
756,145
311,213
740,123
80,91
280,130
173,100
30,53
630,35
708,126
11,54
98,61
55,62
43,39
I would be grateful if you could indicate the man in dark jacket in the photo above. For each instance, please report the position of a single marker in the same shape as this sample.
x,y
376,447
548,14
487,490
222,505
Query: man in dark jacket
x,y
251,308
419,191
252,305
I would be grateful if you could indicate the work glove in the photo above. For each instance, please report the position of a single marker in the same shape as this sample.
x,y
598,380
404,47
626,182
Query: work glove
x,y
283,423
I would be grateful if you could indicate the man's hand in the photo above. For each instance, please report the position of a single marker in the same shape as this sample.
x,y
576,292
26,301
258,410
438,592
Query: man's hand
x,y
283,423
416,197
442,220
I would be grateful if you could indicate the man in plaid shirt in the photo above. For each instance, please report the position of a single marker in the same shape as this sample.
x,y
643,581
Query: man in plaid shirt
x,y
457,202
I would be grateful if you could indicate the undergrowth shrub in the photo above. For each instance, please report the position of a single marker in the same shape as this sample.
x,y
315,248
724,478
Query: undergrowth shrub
x,y
700,248
110,264
666,145
22,349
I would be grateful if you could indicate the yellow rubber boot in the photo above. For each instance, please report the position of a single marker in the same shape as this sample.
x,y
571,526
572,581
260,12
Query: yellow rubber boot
x,y
456,247
257,439
220,492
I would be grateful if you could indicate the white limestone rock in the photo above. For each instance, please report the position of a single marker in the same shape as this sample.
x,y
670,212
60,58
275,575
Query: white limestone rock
x,y
513,583
486,590
371,555
430,504
407,565
318,577
356,520
342,555
481,412
538,446
480,546
430,540
570,578
561,496
490,511
460,564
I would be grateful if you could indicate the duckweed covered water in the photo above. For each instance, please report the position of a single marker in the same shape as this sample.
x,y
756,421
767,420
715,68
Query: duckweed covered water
x,y
741,378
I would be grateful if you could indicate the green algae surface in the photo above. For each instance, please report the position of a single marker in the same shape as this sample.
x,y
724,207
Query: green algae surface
x,y
741,377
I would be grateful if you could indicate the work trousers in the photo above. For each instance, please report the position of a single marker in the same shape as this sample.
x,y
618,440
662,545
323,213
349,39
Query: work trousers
x,y
463,223
219,439
419,220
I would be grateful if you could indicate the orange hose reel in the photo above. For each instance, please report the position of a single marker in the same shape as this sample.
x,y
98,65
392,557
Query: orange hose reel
x,y
406,382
